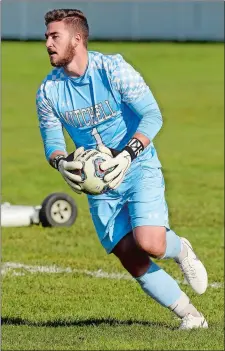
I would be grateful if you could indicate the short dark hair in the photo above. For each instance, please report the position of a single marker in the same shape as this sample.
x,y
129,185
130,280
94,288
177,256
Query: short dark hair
x,y
72,17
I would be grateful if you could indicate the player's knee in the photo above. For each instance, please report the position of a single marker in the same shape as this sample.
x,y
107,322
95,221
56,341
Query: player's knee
x,y
151,239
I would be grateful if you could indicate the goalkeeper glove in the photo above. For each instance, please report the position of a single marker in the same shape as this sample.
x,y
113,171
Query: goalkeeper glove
x,y
67,164
120,162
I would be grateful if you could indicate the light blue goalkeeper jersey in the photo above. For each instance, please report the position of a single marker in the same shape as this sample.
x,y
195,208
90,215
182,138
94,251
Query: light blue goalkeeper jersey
x,y
108,104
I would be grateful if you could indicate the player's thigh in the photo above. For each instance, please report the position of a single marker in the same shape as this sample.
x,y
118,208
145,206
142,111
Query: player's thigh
x,y
111,221
147,204
135,260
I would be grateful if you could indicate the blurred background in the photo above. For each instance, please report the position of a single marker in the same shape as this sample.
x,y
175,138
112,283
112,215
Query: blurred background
x,y
88,302
122,20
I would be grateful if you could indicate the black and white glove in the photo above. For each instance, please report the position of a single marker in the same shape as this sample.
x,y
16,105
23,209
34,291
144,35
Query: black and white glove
x,y
67,164
120,162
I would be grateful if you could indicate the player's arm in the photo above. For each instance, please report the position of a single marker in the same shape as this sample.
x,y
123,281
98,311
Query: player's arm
x,y
137,95
54,142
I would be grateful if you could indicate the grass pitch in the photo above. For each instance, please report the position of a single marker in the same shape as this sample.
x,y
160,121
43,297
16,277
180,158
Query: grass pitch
x,y
76,311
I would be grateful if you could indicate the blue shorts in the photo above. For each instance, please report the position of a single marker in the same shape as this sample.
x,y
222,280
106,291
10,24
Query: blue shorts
x,y
138,201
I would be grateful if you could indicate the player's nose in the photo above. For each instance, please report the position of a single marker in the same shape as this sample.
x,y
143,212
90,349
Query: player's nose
x,y
48,43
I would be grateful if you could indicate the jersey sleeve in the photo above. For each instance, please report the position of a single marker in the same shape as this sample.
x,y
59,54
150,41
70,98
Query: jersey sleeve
x,y
138,96
50,126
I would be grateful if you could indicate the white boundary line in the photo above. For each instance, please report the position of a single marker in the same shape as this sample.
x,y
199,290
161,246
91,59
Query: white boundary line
x,y
22,269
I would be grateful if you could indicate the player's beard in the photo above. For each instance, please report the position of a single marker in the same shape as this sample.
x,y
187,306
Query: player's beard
x,y
66,59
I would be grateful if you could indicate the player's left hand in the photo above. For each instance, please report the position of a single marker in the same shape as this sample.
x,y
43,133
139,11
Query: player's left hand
x,y
119,164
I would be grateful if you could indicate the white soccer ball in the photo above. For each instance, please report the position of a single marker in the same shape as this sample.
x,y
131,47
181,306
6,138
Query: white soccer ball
x,y
91,173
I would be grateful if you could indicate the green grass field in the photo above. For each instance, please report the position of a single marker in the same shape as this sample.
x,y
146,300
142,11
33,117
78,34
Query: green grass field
x,y
77,311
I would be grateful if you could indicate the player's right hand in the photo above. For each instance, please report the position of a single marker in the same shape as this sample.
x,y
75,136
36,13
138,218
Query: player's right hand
x,y
65,166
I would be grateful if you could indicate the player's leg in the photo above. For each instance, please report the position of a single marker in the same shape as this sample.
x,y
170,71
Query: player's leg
x,y
149,214
189,263
156,283
112,223
154,240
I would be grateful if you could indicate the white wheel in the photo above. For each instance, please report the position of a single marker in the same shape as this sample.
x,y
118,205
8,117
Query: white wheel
x,y
61,211
58,210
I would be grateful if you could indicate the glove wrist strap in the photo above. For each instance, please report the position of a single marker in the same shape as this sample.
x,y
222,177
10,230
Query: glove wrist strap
x,y
134,147
55,161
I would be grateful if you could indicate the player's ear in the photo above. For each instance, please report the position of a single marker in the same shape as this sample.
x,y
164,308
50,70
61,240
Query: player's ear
x,y
77,39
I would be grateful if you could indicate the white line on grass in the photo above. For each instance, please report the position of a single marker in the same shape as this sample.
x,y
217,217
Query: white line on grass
x,y
22,269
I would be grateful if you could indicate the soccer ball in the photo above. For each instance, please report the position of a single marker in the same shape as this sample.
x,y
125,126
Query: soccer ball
x,y
91,173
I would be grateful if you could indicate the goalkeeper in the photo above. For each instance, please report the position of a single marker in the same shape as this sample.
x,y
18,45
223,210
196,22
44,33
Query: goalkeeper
x,y
104,103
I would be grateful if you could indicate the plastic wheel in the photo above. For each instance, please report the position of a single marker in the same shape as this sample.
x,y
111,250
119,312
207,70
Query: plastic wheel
x,y
58,210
